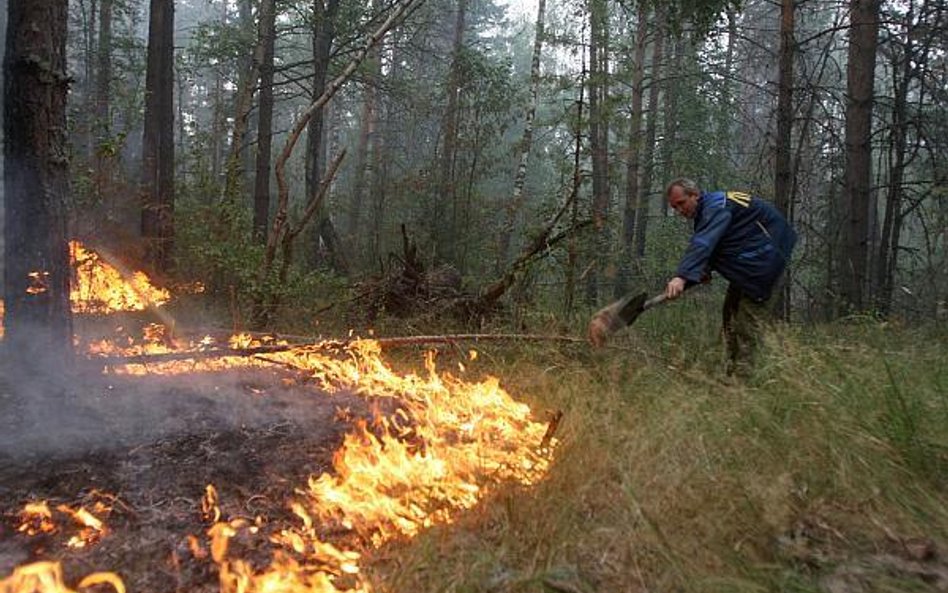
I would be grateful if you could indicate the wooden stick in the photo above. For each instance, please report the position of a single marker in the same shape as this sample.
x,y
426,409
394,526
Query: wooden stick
x,y
330,345
451,338
189,354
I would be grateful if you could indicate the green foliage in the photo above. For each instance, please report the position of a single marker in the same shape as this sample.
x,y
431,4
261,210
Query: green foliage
x,y
213,244
214,42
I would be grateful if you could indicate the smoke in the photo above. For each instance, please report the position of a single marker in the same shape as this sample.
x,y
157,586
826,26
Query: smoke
x,y
63,413
3,54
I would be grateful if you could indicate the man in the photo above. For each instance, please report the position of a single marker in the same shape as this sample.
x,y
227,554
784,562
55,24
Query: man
x,y
747,241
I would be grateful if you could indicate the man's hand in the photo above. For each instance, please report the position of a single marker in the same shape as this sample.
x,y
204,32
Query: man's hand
x,y
675,287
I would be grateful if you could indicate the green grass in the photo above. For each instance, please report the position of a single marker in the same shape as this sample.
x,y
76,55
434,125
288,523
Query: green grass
x,y
821,469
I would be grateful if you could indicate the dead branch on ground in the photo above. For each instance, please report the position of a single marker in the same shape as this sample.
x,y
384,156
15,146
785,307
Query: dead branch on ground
x,y
328,346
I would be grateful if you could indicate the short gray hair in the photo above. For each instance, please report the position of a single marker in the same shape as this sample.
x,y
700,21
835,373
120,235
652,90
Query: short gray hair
x,y
684,183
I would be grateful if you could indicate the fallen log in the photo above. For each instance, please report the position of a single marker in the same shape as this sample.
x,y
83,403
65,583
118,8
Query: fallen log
x,y
116,360
328,345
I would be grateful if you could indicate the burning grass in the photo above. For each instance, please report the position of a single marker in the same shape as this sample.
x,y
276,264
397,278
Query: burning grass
x,y
827,472
103,287
429,446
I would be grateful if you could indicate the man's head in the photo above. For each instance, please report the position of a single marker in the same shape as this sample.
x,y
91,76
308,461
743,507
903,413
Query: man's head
x,y
683,196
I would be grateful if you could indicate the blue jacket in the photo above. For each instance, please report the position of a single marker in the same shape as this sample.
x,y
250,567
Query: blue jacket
x,y
743,238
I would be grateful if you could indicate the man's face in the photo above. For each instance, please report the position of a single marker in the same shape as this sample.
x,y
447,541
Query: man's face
x,y
684,203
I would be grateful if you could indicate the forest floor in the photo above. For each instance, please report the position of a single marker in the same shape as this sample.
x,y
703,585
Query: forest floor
x,y
825,472
146,448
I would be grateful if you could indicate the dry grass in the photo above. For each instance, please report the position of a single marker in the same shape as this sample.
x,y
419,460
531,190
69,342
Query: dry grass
x,y
827,471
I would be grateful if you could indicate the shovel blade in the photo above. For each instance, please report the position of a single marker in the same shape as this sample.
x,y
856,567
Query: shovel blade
x,y
614,317
631,310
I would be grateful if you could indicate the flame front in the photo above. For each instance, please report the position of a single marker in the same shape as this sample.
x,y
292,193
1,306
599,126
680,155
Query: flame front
x,y
443,445
100,287
446,446
47,577
449,441
36,518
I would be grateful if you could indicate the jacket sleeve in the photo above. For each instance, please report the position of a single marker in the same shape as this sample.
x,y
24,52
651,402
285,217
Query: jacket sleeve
x,y
694,264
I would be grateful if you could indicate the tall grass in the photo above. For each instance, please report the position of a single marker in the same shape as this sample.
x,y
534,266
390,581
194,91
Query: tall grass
x,y
822,468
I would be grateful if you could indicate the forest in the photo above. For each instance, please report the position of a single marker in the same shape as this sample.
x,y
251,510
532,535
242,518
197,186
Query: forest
x,y
297,186
527,145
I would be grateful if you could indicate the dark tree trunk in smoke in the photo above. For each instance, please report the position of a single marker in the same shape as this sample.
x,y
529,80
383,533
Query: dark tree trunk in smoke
x,y
36,273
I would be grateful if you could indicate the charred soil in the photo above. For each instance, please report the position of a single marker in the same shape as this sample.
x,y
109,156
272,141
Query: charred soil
x,y
139,453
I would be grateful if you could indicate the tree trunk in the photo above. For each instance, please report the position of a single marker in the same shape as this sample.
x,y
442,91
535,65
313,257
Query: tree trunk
x,y
892,221
103,81
158,138
599,145
633,201
37,320
572,247
783,168
248,72
651,125
443,231
384,141
726,126
783,179
324,33
324,16
261,193
860,72
83,133
670,126
515,205
366,158
217,127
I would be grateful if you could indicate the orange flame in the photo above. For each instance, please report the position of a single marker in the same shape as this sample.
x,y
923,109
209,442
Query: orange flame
x,y
210,510
101,288
36,518
39,282
92,529
47,577
447,444
437,456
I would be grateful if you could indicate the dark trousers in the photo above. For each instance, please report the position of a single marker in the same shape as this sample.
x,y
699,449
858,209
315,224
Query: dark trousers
x,y
744,323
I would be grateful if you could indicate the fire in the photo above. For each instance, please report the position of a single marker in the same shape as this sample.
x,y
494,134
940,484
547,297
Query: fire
x,y
102,288
448,444
91,528
444,444
436,457
39,283
47,577
210,510
37,518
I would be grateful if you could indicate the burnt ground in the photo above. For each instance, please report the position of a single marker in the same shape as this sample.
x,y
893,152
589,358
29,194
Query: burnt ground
x,y
147,447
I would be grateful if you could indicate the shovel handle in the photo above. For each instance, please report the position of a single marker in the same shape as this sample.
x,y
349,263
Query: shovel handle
x,y
655,300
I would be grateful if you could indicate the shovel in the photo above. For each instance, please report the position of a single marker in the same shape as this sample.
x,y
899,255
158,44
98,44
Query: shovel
x,y
619,314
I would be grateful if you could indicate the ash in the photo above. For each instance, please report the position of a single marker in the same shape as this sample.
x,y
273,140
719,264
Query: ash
x,y
150,445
